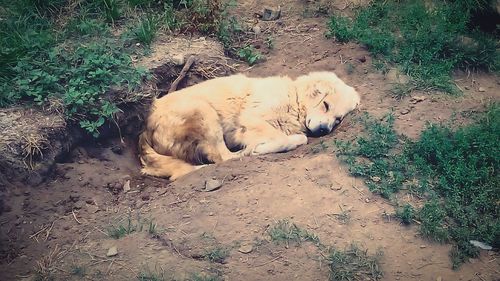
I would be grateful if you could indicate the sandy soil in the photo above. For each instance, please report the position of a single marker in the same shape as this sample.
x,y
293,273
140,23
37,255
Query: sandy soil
x,y
63,224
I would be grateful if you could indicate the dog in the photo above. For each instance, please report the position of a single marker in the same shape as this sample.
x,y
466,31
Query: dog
x,y
234,116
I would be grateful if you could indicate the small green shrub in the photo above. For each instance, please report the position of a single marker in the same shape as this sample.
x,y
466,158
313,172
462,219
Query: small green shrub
x,y
406,213
455,169
249,54
217,254
354,263
286,231
426,43
145,31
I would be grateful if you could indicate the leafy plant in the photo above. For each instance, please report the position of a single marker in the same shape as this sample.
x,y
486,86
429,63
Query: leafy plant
x,y
249,54
286,231
455,169
427,44
354,263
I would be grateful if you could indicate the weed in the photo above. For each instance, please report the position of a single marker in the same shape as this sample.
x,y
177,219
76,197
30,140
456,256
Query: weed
x,y
269,42
145,31
322,146
406,213
217,254
349,68
286,231
78,270
203,277
354,263
152,228
249,54
454,169
129,227
427,44
158,274
344,217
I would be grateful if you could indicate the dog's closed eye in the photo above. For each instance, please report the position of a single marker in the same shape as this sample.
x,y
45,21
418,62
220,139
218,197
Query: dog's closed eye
x,y
327,106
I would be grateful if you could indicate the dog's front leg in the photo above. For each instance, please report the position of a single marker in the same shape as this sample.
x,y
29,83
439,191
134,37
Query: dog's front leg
x,y
282,144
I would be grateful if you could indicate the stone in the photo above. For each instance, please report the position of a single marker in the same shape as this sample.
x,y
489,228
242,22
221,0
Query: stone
x,y
213,184
113,251
179,59
126,186
481,89
245,249
270,14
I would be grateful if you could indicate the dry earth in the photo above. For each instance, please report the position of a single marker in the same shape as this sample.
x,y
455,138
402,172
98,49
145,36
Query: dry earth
x,y
63,224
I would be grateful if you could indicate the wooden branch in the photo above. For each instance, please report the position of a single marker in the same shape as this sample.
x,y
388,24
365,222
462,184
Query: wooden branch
x,y
183,73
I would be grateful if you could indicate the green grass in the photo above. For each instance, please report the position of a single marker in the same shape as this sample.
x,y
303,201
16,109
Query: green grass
x,y
122,229
427,44
455,170
354,263
216,254
64,56
78,270
288,232
249,54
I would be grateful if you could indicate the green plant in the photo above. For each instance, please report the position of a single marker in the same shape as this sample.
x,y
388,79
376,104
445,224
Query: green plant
x,y
454,169
286,231
152,228
249,54
217,254
78,270
145,31
426,43
406,213
111,9
203,277
354,263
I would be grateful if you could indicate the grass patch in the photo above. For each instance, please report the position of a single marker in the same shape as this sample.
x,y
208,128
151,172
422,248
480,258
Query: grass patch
x,y
249,54
454,169
216,254
78,270
427,41
64,55
130,226
287,232
354,263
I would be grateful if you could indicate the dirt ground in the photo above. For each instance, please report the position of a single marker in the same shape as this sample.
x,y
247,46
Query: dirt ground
x,y
61,227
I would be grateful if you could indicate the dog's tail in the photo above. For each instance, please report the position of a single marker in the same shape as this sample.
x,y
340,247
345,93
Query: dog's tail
x,y
158,165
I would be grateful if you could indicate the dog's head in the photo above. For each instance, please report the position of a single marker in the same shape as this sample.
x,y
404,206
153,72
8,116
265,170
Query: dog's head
x,y
326,99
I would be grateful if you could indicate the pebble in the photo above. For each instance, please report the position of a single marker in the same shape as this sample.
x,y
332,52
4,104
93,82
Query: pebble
x,y
113,251
245,249
481,89
126,186
405,111
212,184
367,200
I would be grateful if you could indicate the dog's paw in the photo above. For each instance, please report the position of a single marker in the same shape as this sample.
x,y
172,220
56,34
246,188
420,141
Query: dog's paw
x,y
297,139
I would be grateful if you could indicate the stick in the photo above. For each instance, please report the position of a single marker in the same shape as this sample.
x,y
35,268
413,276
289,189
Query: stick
x,y
183,73
267,262
74,216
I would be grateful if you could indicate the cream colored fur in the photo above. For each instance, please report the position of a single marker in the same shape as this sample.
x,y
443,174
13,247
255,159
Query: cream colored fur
x,y
200,124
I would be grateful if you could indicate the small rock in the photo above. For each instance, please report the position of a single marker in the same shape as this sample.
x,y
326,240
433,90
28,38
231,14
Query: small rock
x,y
117,149
74,197
212,184
367,200
257,30
126,186
179,59
138,44
362,59
78,205
439,278
405,111
245,249
422,246
113,251
270,14
481,89
376,179
332,187
417,99
466,87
